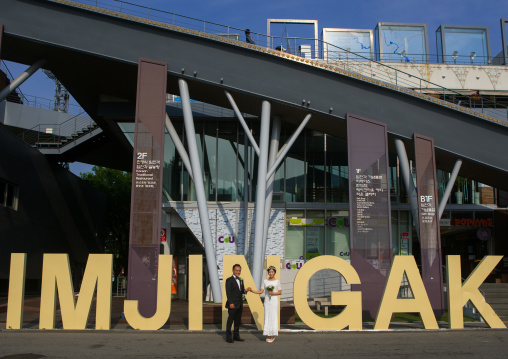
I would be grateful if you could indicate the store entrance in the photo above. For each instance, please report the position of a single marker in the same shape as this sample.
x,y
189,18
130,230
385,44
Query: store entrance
x,y
183,244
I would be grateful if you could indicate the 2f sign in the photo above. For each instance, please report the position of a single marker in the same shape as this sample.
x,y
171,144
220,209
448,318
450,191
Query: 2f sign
x,y
142,155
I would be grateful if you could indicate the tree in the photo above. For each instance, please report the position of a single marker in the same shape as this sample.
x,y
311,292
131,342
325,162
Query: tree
x,y
117,187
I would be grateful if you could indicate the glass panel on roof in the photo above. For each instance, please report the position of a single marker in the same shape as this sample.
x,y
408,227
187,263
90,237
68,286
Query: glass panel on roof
x,y
465,46
403,43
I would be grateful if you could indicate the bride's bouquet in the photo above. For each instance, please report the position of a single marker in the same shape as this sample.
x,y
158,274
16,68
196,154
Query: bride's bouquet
x,y
270,288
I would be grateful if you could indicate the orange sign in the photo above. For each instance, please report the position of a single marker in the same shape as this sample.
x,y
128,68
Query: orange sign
x,y
173,277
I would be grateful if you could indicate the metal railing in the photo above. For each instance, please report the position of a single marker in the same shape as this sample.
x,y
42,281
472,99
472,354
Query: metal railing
x,y
58,135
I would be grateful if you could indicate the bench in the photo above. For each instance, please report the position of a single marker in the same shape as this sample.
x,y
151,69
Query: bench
x,y
322,302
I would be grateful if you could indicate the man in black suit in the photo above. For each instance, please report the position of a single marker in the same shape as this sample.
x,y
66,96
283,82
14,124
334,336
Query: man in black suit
x,y
234,294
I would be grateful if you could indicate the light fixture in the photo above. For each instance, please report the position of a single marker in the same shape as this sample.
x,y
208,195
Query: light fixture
x,y
402,55
472,56
455,55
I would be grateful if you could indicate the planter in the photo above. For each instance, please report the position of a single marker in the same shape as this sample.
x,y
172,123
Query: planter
x,y
477,198
458,197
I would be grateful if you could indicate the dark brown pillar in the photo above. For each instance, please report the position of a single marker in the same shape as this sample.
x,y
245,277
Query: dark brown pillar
x,y
369,203
428,217
147,185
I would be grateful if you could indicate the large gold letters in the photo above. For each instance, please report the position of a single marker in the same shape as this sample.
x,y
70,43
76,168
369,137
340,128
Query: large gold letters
x,y
418,304
351,316
56,275
16,297
136,320
459,293
56,272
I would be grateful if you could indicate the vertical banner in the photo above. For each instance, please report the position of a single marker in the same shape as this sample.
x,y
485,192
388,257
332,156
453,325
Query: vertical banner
x,y
146,185
428,211
369,203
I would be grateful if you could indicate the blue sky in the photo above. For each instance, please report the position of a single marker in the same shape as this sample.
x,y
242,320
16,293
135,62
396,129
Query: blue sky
x,y
359,14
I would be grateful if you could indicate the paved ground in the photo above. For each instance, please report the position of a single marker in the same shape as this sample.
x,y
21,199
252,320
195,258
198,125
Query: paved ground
x,y
468,343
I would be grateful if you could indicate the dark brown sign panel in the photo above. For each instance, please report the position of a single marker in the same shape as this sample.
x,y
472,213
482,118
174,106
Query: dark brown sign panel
x,y
369,203
146,185
428,216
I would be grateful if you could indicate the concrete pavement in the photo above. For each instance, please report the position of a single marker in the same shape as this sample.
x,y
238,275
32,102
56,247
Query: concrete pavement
x,y
467,343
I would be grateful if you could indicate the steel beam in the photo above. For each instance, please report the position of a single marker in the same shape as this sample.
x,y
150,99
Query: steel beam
x,y
258,260
200,192
21,78
449,186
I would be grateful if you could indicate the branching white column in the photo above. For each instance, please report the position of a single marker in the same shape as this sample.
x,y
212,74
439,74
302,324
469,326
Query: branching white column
x,y
200,192
274,148
258,260
408,182
449,186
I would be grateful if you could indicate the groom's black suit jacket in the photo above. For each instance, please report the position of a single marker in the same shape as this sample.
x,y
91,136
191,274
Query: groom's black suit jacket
x,y
233,293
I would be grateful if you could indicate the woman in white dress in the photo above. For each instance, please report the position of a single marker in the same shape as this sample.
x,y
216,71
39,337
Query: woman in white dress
x,y
271,325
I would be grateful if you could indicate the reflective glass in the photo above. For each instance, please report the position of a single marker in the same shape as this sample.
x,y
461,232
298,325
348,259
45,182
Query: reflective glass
x,y
465,46
295,240
315,167
403,43
336,170
347,45
172,170
295,171
227,148
210,160
337,234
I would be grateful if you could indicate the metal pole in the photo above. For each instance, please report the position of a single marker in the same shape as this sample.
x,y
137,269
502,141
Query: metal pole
x,y
408,182
200,192
287,146
21,78
257,265
179,146
449,186
274,147
246,241
242,122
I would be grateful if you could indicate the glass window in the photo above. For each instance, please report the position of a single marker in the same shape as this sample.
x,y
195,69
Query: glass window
x,y
8,194
295,236
314,234
3,189
172,170
337,235
337,175
295,171
210,160
227,148
315,167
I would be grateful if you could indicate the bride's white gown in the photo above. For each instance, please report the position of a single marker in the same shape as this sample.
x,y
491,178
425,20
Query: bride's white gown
x,y
271,326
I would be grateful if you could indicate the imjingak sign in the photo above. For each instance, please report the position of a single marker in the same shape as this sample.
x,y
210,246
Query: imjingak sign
x,y
56,275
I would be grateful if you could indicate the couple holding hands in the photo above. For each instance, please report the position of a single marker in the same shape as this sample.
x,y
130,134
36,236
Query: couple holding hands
x,y
234,303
